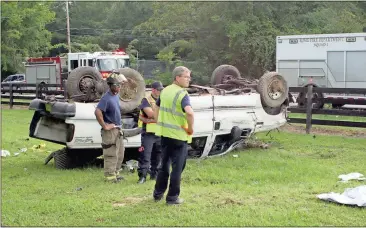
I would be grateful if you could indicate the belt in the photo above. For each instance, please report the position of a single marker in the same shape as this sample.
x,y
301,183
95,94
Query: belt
x,y
118,128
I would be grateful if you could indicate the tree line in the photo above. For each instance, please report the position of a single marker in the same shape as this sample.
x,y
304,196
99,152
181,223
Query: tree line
x,y
201,35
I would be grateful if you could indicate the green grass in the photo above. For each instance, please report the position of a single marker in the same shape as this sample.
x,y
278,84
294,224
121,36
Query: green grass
x,y
15,100
273,187
329,117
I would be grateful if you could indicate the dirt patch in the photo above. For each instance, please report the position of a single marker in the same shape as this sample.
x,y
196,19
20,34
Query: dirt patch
x,y
325,130
99,220
128,201
229,201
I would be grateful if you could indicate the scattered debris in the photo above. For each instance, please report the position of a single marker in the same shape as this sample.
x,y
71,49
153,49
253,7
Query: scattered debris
x,y
131,165
256,144
351,196
5,153
79,189
23,150
38,147
16,154
351,176
235,155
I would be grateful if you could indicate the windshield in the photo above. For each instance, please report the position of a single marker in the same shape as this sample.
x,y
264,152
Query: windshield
x,y
107,64
123,63
8,78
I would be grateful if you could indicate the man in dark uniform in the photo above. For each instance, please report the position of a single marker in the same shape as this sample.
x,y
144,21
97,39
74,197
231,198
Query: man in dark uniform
x,y
150,143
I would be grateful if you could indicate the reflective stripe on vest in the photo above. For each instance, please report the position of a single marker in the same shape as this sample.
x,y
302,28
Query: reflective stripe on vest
x,y
171,116
144,120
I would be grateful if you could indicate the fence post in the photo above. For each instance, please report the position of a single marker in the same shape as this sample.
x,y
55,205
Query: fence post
x,y
65,90
37,90
309,107
11,98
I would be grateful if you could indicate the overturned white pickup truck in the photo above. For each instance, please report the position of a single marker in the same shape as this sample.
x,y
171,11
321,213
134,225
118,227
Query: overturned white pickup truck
x,y
223,118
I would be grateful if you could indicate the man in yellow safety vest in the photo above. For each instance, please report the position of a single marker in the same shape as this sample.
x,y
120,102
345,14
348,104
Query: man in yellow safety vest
x,y
150,143
175,119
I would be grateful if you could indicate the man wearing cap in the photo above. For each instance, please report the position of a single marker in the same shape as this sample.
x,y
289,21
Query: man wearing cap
x,y
108,114
150,143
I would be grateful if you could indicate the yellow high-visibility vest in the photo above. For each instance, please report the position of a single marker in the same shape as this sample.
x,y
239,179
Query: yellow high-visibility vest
x,y
172,119
145,120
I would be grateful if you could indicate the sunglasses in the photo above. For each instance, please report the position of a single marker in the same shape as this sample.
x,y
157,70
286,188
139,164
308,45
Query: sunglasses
x,y
117,84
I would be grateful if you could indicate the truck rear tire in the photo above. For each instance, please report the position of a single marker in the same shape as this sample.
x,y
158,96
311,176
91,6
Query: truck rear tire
x,y
132,92
80,81
224,72
66,158
63,159
273,89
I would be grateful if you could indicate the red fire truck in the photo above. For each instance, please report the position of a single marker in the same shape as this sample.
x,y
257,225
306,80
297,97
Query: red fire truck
x,y
105,62
47,70
53,70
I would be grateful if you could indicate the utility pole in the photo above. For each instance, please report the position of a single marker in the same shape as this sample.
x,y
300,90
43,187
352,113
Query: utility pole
x,y
68,25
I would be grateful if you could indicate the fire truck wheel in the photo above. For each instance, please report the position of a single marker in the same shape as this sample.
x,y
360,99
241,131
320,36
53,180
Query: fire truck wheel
x,y
81,82
132,91
223,73
273,89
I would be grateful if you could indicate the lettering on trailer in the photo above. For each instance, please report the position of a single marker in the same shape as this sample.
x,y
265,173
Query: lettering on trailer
x,y
322,41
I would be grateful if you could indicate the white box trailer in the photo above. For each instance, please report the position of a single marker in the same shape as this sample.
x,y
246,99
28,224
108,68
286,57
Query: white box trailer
x,y
327,60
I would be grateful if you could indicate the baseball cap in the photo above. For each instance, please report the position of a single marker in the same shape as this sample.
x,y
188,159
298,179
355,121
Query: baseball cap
x,y
157,85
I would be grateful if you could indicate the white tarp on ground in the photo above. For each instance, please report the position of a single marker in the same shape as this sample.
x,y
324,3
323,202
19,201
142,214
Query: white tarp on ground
x,y
351,176
351,196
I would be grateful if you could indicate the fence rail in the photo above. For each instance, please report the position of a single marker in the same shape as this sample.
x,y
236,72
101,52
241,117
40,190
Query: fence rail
x,y
41,89
309,110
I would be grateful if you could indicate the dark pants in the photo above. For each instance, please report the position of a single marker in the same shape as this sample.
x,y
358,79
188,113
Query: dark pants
x,y
174,153
151,155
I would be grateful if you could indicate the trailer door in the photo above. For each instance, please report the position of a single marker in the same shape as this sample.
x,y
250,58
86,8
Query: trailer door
x,y
355,69
336,68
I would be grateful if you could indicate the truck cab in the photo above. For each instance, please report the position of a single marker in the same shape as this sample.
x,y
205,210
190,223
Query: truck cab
x,y
104,62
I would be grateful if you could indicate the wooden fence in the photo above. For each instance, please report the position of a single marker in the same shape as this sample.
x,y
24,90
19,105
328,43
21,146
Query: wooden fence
x,y
309,110
38,91
44,89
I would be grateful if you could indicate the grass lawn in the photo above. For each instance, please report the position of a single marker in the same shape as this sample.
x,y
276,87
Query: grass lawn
x,y
329,117
272,187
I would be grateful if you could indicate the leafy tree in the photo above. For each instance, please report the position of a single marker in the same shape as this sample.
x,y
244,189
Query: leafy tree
x,y
24,32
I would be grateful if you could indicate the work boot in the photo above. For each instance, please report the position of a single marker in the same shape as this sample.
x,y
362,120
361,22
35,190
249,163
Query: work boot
x,y
177,201
153,176
141,180
119,177
157,198
111,179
